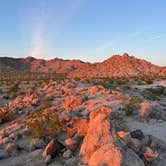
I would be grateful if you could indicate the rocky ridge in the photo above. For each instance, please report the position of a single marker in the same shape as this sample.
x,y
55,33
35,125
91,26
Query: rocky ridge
x,y
115,66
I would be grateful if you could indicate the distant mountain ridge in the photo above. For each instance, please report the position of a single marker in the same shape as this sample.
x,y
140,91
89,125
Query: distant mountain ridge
x,y
121,66
115,66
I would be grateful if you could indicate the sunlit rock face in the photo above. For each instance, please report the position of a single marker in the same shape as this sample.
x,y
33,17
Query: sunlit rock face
x,y
98,134
101,145
108,154
120,66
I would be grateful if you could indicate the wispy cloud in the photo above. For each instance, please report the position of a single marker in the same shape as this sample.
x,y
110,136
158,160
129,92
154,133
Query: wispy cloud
x,y
38,49
33,25
37,21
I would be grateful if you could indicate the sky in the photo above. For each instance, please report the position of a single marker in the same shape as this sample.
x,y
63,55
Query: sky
x,y
89,30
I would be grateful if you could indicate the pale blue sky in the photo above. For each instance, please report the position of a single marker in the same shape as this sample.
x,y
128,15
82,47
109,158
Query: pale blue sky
x,y
90,30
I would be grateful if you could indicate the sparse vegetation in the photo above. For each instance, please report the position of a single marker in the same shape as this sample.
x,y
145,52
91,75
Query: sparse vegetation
x,y
43,123
154,93
131,104
5,115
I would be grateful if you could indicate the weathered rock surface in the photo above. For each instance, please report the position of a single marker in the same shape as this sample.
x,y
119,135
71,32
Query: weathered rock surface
x,y
108,155
3,154
130,158
98,133
51,150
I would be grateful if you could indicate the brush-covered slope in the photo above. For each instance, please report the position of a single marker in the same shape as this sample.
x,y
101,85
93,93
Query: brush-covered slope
x,y
115,66
40,65
121,66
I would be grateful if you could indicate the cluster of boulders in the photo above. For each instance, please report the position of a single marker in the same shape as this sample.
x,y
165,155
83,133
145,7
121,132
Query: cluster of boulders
x,y
93,133
100,144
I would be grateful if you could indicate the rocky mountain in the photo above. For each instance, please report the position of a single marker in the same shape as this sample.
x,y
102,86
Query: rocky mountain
x,y
116,66
40,65
121,66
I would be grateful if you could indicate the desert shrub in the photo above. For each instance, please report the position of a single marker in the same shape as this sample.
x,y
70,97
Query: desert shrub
x,y
131,104
144,80
121,81
154,93
7,97
76,78
106,82
43,123
46,102
148,81
5,115
126,87
14,88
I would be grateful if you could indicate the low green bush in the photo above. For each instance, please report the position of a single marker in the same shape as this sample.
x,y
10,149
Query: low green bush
x,y
5,115
131,104
154,93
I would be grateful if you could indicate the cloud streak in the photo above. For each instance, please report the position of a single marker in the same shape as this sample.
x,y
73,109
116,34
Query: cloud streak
x,y
39,17
38,48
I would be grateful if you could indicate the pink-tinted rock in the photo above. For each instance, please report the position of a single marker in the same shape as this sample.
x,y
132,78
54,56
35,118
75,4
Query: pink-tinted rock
x,y
98,133
52,149
146,108
125,136
72,143
11,148
72,103
82,126
71,131
150,154
97,89
108,155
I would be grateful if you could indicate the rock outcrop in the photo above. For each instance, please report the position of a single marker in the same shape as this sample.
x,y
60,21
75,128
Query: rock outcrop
x,y
115,66
102,147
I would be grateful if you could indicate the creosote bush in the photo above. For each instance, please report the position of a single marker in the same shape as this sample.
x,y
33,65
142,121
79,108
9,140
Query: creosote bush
x,y
131,104
43,123
154,93
5,115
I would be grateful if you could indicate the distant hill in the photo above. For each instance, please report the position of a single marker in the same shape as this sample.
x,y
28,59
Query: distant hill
x,y
121,66
115,66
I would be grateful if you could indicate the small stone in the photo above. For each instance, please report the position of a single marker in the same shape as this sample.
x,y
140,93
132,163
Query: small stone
x,y
48,159
37,143
67,154
71,162
135,145
137,134
71,144
150,155
53,148
125,136
3,154
11,148
4,140
12,136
